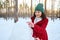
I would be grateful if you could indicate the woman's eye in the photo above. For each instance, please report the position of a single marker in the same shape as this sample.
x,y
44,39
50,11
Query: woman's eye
x,y
35,12
38,12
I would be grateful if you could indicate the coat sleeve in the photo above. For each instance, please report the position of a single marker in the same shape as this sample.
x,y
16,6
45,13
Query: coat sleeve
x,y
41,28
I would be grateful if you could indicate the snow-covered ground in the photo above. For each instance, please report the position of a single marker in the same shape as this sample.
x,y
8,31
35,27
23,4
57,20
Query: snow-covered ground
x,y
21,31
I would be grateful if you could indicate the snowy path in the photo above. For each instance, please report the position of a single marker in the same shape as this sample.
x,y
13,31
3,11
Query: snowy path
x,y
20,30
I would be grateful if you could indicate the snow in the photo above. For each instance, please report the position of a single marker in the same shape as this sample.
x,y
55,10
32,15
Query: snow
x,y
53,29
21,31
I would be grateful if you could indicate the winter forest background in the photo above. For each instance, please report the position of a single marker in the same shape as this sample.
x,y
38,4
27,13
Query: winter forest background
x,y
15,13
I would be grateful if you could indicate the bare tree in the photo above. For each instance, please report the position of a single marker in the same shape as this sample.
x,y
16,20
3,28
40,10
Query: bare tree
x,y
45,7
39,1
16,11
52,14
31,7
7,4
0,6
59,8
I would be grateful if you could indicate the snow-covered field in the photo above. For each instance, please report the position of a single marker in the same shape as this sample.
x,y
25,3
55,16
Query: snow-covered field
x,y
21,31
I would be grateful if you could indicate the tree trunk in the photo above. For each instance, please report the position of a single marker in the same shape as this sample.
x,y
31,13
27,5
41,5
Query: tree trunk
x,y
39,1
16,11
31,7
45,7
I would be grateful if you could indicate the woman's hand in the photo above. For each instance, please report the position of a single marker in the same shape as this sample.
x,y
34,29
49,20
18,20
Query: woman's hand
x,y
37,39
30,24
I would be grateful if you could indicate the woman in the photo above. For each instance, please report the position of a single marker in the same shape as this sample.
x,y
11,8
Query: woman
x,y
39,23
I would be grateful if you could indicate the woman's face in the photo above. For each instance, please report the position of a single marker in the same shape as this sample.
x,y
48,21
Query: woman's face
x,y
38,14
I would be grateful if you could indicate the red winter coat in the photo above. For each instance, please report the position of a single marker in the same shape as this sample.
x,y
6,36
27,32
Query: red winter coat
x,y
39,29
